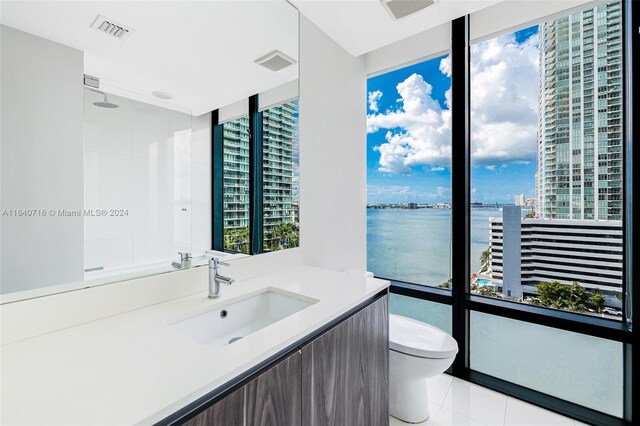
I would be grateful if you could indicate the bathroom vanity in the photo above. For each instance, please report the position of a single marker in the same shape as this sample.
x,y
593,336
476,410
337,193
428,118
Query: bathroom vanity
x,y
336,376
312,350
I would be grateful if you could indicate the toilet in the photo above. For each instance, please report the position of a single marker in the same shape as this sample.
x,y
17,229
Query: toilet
x,y
417,351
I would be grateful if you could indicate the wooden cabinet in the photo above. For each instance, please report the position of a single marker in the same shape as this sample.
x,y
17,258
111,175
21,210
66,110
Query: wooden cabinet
x,y
338,378
345,372
274,397
228,411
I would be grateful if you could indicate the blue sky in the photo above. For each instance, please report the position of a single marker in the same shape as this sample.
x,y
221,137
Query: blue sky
x,y
408,141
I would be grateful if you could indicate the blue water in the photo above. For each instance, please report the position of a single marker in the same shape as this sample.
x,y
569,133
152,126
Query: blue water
x,y
415,245
482,281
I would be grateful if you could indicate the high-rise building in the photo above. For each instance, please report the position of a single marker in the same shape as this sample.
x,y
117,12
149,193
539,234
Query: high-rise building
x,y
236,173
519,200
528,251
580,116
280,164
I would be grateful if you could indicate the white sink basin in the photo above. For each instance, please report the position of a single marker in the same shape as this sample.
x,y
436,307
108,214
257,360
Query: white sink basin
x,y
227,323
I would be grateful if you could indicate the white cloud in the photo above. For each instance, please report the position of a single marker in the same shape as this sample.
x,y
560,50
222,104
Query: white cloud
x,y
373,99
418,131
504,109
437,169
445,66
504,105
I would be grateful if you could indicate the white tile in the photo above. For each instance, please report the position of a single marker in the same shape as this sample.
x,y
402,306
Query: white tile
x,y
439,387
476,402
156,171
108,227
153,210
153,249
115,168
108,138
433,408
448,417
114,253
520,413
150,144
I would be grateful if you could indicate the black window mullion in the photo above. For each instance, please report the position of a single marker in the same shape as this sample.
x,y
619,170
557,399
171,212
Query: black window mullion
x,y
255,176
460,203
631,295
217,182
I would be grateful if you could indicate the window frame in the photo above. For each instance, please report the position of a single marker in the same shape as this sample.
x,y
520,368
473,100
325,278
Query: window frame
x,y
460,298
256,180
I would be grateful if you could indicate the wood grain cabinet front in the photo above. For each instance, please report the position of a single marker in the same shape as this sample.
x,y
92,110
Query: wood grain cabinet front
x,y
345,372
339,378
274,398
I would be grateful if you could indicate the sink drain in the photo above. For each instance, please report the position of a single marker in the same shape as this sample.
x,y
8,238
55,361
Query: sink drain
x,y
223,313
234,339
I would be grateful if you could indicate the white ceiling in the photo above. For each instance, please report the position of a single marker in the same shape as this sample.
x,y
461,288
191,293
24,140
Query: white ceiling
x,y
361,26
202,52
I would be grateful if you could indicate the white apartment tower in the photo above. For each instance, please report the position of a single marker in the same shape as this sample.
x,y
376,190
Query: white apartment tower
x,y
580,116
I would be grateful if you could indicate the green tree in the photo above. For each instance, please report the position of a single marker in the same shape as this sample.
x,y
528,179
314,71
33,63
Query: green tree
x,y
597,301
237,239
447,284
282,236
485,258
572,297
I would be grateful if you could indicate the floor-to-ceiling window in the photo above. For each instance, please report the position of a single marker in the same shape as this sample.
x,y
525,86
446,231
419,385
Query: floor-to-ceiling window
x,y
546,158
542,274
409,174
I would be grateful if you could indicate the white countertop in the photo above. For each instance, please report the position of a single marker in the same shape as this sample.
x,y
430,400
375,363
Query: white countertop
x,y
133,368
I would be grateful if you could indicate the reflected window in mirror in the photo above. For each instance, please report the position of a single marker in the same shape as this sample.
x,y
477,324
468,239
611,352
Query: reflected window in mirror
x,y
236,185
281,226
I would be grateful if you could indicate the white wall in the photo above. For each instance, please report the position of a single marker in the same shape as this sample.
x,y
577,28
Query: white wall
x,y
41,162
411,50
333,175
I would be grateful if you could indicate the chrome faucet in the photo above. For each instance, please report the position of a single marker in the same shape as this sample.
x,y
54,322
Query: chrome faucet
x,y
185,261
216,279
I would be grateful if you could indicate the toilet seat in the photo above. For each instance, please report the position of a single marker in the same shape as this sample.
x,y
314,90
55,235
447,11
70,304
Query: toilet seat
x,y
416,338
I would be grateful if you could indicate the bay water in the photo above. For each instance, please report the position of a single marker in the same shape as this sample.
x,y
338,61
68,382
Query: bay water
x,y
414,245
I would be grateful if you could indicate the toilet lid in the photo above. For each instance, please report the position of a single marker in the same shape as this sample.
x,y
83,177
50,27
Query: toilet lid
x,y
416,338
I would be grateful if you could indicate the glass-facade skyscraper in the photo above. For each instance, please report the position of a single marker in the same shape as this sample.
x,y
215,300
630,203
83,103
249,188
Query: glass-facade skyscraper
x,y
280,194
580,116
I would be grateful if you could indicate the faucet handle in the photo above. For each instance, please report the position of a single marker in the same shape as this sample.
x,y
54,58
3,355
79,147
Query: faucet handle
x,y
214,262
185,255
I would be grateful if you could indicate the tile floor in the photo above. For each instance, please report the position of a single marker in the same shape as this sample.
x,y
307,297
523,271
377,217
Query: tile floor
x,y
455,402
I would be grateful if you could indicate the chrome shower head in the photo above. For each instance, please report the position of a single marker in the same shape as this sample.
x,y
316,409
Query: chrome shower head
x,y
105,103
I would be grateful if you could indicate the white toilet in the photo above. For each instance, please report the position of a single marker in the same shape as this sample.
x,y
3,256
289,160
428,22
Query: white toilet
x,y
417,351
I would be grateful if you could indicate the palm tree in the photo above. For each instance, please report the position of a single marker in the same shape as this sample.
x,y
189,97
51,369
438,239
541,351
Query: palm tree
x,y
485,256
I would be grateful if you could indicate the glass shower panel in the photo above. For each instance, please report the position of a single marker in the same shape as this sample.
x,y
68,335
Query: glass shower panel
x,y
137,185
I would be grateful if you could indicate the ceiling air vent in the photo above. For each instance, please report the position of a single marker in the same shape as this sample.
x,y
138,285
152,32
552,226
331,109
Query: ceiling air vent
x,y
399,9
112,28
275,61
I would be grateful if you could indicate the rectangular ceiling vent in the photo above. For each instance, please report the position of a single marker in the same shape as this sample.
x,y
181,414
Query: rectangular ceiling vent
x,y
275,61
399,9
112,28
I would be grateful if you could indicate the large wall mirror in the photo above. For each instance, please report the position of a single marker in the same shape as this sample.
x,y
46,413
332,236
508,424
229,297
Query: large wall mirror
x,y
106,136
